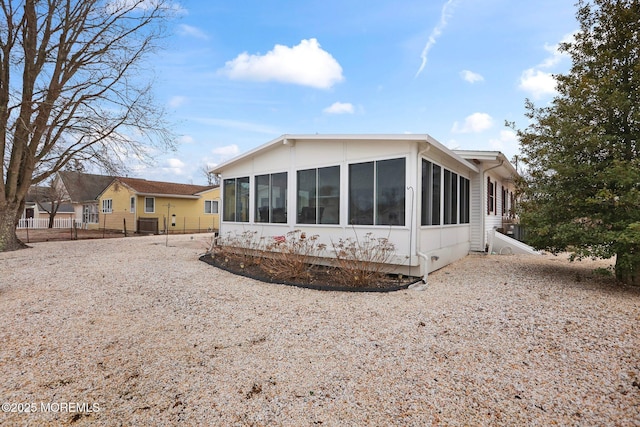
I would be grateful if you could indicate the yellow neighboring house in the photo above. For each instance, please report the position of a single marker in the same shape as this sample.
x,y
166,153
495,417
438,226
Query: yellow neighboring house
x,y
141,206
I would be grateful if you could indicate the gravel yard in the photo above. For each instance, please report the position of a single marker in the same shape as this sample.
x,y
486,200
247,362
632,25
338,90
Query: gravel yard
x,y
132,332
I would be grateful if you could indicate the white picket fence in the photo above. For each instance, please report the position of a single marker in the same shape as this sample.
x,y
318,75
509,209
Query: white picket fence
x,y
44,223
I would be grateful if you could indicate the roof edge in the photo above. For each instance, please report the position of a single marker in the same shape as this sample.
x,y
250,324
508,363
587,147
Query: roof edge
x,y
286,138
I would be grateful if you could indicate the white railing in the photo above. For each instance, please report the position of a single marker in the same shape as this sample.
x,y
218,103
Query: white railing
x,y
44,223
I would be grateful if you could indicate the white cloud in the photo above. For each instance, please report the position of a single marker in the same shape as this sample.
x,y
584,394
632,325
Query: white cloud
x,y
190,31
236,124
220,155
174,166
186,139
475,123
226,151
470,76
175,163
177,101
556,56
507,139
538,83
306,64
339,108
436,32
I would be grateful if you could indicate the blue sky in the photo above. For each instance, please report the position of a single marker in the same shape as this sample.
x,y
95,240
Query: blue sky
x,y
236,74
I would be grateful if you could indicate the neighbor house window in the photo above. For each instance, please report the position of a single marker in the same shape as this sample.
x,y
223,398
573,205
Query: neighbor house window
x,y
318,200
210,206
149,204
236,199
271,198
464,200
132,204
90,213
450,197
107,206
505,193
490,196
377,192
430,193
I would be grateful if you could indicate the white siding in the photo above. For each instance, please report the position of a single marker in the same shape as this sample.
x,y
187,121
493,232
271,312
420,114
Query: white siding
x,y
478,208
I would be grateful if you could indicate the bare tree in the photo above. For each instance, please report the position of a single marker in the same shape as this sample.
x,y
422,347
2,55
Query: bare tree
x,y
73,88
49,198
212,178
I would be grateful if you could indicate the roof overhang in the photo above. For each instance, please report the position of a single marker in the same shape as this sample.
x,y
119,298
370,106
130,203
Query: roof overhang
x,y
492,159
169,196
290,139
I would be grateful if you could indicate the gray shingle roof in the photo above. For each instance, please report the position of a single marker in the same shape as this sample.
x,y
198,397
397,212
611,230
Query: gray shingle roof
x,y
84,187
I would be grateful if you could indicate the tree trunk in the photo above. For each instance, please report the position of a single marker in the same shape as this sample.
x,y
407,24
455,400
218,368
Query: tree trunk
x,y
9,216
628,268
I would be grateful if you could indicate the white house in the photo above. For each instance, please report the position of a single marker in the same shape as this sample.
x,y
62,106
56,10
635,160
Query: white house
x,y
434,204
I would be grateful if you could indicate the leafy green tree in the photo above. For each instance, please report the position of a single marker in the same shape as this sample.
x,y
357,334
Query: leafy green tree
x,y
581,192
73,88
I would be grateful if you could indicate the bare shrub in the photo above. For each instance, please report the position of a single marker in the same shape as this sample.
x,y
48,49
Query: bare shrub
x,y
244,248
361,262
290,257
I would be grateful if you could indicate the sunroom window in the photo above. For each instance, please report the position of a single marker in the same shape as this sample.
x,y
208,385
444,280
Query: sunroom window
x,y
318,200
377,192
430,193
271,198
236,199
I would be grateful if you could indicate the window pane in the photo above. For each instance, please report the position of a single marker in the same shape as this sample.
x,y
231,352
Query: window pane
x,y
464,200
262,198
242,199
427,190
435,195
279,198
390,192
211,206
454,198
450,197
149,205
329,195
307,196
361,193
229,198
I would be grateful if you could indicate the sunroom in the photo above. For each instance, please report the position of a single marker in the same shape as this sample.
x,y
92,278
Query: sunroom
x,y
409,189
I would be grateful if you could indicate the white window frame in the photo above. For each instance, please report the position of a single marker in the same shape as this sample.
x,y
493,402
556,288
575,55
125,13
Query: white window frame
x,y
107,206
132,204
146,209
213,207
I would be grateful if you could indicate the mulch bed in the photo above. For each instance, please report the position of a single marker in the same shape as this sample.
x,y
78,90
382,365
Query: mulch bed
x,y
321,277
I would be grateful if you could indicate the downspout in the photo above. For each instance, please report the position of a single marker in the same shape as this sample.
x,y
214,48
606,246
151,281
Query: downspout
x,y
426,264
426,267
484,193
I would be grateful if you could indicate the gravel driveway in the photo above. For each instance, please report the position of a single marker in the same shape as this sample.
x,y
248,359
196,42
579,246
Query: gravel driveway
x,y
133,332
